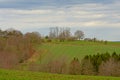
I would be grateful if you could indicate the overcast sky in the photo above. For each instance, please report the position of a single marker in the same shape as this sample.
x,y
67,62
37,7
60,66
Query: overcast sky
x,y
97,18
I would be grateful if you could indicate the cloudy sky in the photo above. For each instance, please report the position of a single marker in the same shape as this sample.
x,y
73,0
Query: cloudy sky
x,y
97,18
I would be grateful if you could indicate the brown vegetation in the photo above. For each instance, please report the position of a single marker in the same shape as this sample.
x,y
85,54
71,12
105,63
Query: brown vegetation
x,y
15,47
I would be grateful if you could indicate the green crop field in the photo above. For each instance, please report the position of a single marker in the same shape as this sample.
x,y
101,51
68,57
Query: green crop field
x,y
69,50
26,75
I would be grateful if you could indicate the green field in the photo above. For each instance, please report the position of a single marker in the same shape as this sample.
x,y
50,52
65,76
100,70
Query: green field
x,y
69,50
58,51
26,75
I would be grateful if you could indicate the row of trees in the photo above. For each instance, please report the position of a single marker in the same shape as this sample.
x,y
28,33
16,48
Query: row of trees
x,y
99,64
65,34
15,47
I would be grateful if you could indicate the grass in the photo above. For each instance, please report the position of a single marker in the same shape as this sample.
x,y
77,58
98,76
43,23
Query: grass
x,y
27,75
60,50
69,50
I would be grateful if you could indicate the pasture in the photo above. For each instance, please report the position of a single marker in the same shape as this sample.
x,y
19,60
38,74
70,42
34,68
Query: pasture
x,y
69,50
27,75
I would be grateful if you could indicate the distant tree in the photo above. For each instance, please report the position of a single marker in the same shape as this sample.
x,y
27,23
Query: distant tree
x,y
64,34
60,33
79,34
94,39
13,32
54,32
87,39
33,37
46,37
105,42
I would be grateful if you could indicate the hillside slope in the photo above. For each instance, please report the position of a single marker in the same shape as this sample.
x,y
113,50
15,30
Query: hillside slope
x,y
69,50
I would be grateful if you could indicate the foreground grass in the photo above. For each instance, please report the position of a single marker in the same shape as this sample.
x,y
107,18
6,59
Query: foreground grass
x,y
26,75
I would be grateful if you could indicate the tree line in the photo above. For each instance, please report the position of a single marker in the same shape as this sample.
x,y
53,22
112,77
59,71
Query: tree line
x,y
64,33
16,47
99,64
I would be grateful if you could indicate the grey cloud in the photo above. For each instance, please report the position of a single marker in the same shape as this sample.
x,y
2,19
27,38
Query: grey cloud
x,y
30,4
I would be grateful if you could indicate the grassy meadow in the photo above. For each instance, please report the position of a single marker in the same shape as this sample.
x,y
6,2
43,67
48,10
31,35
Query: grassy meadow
x,y
69,50
26,75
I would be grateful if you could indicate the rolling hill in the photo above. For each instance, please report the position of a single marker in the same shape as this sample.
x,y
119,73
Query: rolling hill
x,y
69,50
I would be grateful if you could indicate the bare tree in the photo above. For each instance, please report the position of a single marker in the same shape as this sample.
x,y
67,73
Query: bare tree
x,y
52,33
79,34
87,67
110,68
64,34
55,66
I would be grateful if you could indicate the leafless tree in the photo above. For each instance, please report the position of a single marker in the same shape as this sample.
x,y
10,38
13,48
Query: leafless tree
x,y
64,34
110,68
87,68
79,34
